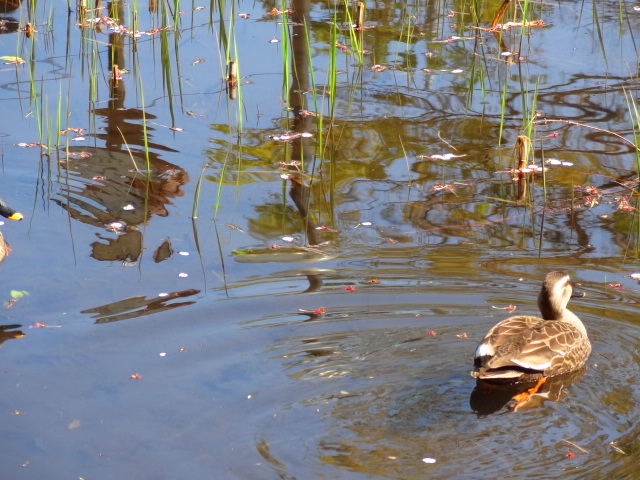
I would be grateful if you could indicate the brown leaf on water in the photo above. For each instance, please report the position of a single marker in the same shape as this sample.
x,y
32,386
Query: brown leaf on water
x,y
508,308
233,227
29,145
614,445
583,450
317,311
73,425
28,30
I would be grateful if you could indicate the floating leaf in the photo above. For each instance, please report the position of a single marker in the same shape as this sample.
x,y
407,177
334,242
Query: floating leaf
x,y
317,311
509,308
12,60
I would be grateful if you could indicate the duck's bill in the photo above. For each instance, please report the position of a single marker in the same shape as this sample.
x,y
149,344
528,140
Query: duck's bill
x,y
578,293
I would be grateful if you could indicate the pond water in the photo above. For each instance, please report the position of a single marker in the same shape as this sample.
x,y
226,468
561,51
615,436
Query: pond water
x,y
286,276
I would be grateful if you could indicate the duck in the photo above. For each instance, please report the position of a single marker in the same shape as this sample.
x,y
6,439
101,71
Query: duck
x,y
531,349
11,214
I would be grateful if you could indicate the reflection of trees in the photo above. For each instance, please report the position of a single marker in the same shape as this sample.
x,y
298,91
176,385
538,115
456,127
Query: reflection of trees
x,y
119,183
139,306
7,6
366,148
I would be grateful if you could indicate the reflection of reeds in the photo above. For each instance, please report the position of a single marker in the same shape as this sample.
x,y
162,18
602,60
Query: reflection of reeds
x,y
635,125
355,32
359,15
523,149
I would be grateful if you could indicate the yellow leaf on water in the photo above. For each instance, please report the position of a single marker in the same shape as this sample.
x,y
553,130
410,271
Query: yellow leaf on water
x,y
9,58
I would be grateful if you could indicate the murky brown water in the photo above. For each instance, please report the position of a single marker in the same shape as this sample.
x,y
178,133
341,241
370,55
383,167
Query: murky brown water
x,y
192,347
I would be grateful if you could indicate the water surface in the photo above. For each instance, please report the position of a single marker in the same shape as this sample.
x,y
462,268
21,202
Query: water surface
x,y
214,309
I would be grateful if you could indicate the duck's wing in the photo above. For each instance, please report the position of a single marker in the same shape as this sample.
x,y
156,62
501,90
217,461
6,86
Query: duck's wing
x,y
539,348
504,333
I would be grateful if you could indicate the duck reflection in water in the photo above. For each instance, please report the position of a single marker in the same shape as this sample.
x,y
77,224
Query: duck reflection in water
x,y
489,397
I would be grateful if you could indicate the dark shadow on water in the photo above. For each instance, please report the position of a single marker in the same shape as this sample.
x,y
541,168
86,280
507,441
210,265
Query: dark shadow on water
x,y
138,306
488,398
7,332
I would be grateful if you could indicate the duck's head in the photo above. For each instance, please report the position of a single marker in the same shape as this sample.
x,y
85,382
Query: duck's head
x,y
554,295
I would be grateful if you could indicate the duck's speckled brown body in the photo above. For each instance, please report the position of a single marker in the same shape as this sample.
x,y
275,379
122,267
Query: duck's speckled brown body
x,y
525,348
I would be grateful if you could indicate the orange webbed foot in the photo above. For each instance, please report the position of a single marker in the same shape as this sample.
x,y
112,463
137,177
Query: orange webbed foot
x,y
526,395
